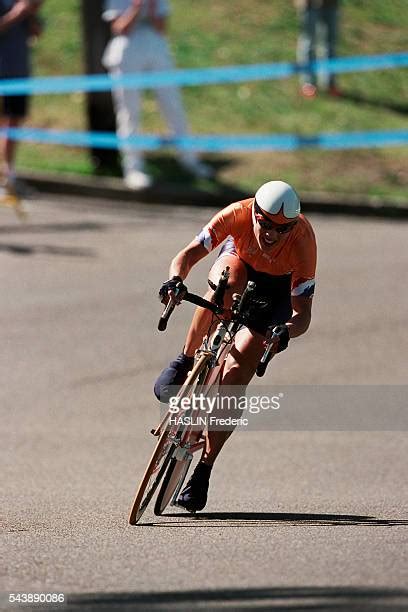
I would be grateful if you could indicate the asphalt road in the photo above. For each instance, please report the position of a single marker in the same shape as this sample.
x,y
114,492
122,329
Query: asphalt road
x,y
295,520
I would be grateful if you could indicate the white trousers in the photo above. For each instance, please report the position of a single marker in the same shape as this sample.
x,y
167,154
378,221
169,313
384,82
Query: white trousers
x,y
146,50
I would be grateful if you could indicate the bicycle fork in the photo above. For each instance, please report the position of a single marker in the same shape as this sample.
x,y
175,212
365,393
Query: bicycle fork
x,y
184,453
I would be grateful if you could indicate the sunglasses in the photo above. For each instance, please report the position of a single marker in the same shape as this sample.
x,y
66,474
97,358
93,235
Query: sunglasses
x,y
267,224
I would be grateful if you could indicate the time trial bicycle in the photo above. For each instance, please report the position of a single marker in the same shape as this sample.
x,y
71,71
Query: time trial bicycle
x,y
178,440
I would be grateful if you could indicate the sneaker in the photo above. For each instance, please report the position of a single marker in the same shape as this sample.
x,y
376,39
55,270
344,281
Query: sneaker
x,y
194,495
136,179
308,90
15,187
173,376
197,168
334,91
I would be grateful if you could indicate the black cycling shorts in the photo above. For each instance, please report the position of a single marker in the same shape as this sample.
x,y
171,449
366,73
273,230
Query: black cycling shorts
x,y
275,290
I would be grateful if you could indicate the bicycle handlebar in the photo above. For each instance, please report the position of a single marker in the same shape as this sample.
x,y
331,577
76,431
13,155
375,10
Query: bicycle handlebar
x,y
164,319
200,301
216,307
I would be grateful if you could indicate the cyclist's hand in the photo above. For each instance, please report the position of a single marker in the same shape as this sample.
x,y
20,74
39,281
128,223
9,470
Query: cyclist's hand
x,y
281,338
172,289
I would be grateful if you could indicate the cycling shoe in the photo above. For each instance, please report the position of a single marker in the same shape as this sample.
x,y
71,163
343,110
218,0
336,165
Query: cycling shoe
x,y
194,495
172,377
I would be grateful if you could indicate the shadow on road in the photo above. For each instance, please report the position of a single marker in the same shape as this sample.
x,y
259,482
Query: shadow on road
x,y
274,517
48,228
290,599
24,249
51,228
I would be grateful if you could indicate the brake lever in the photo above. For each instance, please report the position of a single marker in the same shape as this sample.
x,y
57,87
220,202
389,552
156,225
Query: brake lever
x,y
268,347
266,357
170,306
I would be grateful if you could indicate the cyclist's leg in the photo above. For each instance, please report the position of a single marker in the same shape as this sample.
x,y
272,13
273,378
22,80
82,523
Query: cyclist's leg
x,y
239,370
244,356
240,367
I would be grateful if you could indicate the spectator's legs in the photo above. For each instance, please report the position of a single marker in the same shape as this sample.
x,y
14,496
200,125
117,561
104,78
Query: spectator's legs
x,y
171,105
127,109
327,38
169,98
306,43
9,148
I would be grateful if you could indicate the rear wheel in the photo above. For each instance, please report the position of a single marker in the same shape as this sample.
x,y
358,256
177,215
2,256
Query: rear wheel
x,y
175,474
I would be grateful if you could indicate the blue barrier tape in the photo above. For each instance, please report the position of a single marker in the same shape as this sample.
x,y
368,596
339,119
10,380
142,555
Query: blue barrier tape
x,y
214,143
202,76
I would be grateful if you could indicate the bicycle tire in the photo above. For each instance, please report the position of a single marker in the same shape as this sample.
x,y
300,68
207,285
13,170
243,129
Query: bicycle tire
x,y
159,460
178,468
158,464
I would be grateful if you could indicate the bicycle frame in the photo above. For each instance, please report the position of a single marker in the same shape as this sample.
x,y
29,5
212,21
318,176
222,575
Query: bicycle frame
x,y
210,360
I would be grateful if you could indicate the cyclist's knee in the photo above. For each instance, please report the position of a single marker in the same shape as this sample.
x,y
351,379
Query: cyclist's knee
x,y
243,359
237,271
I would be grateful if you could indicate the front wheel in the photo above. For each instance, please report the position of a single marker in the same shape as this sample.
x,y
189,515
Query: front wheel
x,y
190,442
154,473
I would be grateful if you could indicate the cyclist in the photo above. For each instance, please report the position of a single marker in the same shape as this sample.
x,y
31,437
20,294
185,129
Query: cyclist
x,y
269,242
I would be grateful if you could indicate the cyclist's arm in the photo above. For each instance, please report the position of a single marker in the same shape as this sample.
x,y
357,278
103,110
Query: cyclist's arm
x,y
187,258
302,314
303,282
212,235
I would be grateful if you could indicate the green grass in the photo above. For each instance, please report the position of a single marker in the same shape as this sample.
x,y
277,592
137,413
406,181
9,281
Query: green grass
x,y
226,33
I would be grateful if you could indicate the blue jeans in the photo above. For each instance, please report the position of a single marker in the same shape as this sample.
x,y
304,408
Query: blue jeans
x,y
317,38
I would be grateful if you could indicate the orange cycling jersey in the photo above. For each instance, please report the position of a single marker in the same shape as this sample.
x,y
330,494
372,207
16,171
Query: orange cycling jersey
x,y
295,254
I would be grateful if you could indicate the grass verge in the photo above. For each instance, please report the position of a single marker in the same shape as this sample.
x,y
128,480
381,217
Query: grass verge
x,y
217,34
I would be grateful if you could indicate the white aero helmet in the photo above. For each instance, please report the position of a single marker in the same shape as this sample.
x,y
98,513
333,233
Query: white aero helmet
x,y
279,201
